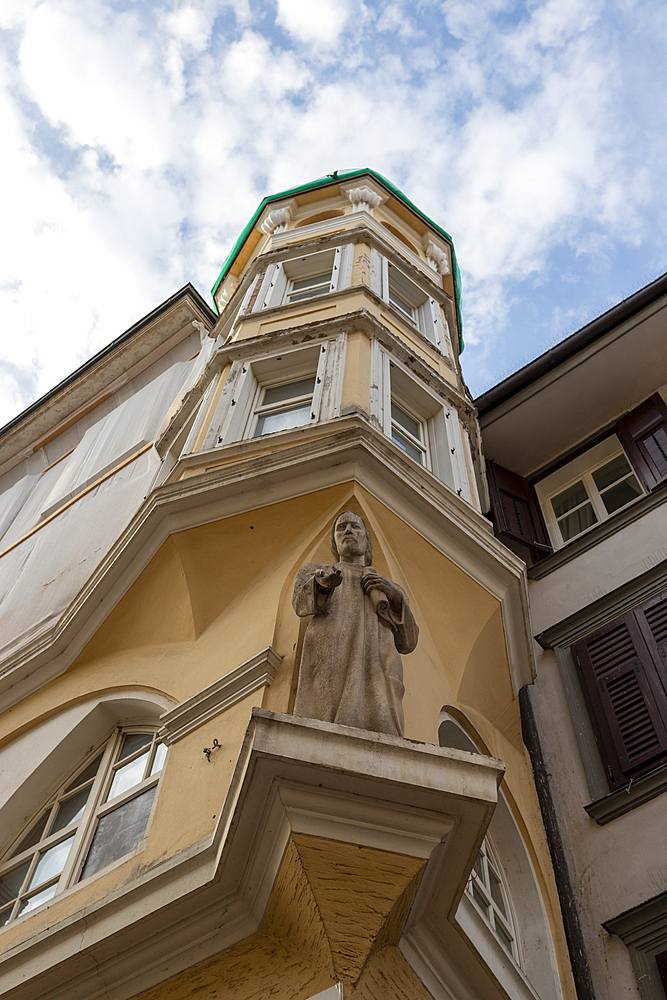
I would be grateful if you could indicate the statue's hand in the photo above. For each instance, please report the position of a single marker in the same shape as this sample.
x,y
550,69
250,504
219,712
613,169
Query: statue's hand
x,y
370,580
328,580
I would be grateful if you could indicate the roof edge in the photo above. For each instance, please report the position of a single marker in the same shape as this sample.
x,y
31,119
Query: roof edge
x,y
187,289
567,348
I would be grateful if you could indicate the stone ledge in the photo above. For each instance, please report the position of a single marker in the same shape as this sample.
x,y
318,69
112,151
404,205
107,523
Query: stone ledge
x,y
215,698
624,800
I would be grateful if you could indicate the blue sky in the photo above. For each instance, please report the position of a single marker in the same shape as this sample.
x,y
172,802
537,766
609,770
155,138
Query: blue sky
x,y
138,138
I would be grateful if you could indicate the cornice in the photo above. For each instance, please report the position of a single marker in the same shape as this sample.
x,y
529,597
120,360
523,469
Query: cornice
x,y
293,776
217,697
355,452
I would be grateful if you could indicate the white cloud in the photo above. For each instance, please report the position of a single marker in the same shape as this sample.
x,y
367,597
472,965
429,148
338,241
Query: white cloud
x,y
137,143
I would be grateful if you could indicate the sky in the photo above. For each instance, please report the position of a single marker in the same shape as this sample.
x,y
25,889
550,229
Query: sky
x,y
139,137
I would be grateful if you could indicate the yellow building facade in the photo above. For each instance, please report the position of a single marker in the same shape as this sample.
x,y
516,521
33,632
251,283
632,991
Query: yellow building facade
x,y
171,829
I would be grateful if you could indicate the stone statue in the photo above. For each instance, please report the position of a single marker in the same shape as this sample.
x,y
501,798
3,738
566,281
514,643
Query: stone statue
x,y
351,670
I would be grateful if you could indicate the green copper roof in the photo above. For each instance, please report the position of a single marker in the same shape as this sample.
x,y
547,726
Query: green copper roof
x,y
340,175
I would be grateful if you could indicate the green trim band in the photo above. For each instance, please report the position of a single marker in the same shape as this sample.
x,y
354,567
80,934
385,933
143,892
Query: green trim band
x,y
339,175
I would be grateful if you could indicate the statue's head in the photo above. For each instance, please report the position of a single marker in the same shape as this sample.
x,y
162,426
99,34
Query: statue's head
x,y
350,537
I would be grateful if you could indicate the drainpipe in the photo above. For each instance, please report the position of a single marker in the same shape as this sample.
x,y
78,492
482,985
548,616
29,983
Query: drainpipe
x,y
575,939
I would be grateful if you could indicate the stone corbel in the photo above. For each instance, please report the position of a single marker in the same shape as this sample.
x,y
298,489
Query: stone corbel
x,y
278,218
363,199
436,255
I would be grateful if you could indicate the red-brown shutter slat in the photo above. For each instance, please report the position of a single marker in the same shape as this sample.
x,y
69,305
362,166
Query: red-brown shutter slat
x,y
643,434
627,702
515,510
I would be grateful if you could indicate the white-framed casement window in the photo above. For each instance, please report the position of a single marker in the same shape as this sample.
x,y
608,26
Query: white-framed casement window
x,y
96,817
298,387
487,888
412,303
283,405
420,423
587,491
298,279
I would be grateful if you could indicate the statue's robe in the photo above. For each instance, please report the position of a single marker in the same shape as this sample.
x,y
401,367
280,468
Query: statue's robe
x,y
351,671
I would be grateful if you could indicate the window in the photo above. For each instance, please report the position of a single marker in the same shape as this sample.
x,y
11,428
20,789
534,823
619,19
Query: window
x,y
284,406
420,424
95,818
516,513
588,490
643,434
292,281
486,887
623,677
412,303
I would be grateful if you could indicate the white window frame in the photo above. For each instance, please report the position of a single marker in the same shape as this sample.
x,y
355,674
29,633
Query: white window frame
x,y
581,469
82,830
235,416
446,442
276,284
425,314
478,889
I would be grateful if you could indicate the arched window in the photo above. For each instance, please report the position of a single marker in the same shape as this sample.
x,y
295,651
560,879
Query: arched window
x,y
487,887
97,816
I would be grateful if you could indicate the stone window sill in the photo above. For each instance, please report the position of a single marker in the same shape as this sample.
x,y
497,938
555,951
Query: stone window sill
x,y
625,799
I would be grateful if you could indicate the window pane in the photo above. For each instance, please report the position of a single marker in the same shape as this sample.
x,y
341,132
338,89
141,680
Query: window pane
x,y
282,421
479,899
134,742
119,832
38,899
611,472
577,521
158,761
11,882
569,498
497,893
4,916
128,776
289,390
504,937
478,867
52,862
622,493
324,277
407,422
86,775
310,294
34,836
70,810
403,443
401,303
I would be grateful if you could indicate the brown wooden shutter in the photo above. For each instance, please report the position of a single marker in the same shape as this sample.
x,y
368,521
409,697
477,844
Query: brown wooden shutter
x,y
515,510
627,701
643,434
652,618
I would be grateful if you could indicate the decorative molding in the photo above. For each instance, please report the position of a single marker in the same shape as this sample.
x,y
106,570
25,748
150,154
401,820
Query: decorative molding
x,y
293,776
278,218
436,256
214,699
363,199
624,800
605,609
